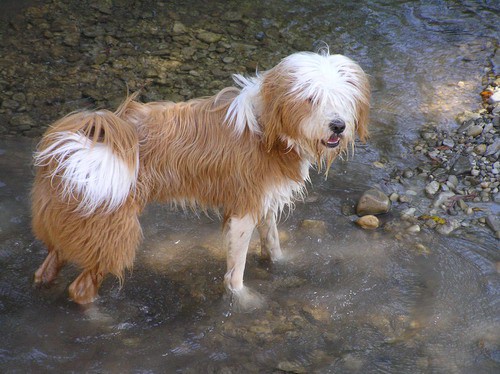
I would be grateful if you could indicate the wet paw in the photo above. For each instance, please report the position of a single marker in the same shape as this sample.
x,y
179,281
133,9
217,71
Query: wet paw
x,y
246,300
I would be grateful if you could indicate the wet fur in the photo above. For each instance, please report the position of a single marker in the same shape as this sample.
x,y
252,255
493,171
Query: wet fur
x,y
243,153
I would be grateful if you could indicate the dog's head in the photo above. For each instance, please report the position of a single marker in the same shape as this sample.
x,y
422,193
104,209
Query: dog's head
x,y
316,102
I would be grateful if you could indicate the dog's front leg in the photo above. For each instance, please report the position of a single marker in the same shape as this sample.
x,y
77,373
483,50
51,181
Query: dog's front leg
x,y
269,238
236,241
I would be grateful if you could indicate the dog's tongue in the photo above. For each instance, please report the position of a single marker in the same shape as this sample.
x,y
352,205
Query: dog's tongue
x,y
333,141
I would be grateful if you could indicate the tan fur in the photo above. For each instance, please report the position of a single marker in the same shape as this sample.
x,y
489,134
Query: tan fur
x,y
188,155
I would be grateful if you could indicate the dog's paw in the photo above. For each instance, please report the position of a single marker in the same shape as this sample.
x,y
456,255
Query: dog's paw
x,y
246,300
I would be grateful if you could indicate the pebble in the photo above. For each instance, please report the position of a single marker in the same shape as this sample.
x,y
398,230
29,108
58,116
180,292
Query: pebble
x,y
394,197
448,227
432,188
474,131
413,229
313,226
368,222
493,222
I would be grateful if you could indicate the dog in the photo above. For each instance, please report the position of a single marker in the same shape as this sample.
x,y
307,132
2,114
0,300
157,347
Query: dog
x,y
244,152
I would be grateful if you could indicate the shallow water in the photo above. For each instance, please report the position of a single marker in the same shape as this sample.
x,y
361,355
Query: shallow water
x,y
347,300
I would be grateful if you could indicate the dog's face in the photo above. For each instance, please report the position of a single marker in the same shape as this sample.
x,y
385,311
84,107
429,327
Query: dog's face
x,y
318,102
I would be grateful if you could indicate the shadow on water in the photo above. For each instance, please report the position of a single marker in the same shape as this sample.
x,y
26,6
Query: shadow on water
x,y
346,300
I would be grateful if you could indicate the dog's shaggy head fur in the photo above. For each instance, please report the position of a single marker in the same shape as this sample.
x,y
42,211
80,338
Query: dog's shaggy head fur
x,y
301,99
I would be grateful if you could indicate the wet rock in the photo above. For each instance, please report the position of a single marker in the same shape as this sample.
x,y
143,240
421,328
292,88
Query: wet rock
x,y
467,116
22,122
493,148
442,198
291,367
178,28
493,222
260,36
432,188
368,222
422,249
317,313
313,226
408,214
448,143
232,16
448,227
413,229
373,202
480,149
461,166
474,130
394,197
208,37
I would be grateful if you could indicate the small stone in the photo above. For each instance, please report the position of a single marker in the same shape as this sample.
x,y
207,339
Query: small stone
x,y
178,28
291,367
394,197
448,227
474,130
448,143
442,198
368,222
431,223
453,180
313,226
404,199
413,229
480,149
432,188
228,60
461,166
422,249
208,37
463,205
408,213
493,148
475,172
493,222
373,202
467,116
495,98
260,36
408,173
232,16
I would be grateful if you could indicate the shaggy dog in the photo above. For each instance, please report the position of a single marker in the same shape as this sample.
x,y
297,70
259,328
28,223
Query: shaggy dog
x,y
245,153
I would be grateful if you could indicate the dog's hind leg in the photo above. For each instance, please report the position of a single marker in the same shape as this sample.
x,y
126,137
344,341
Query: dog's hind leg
x,y
237,239
49,269
84,288
269,238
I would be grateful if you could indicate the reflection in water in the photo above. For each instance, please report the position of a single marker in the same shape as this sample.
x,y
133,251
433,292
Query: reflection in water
x,y
347,300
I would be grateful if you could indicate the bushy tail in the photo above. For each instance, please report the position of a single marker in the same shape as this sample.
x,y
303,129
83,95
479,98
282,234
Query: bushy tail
x,y
91,158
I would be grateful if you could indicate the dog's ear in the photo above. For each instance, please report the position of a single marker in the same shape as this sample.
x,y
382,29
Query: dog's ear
x,y
363,111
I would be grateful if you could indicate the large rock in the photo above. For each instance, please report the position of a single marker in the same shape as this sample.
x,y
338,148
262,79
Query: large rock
x,y
373,202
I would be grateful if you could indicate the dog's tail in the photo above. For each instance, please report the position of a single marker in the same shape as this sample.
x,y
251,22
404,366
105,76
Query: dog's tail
x,y
92,159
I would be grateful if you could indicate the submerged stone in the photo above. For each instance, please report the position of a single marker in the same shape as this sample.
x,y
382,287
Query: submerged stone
x,y
373,202
368,222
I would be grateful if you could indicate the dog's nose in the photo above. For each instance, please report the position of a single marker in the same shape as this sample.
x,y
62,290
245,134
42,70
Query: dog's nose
x,y
337,126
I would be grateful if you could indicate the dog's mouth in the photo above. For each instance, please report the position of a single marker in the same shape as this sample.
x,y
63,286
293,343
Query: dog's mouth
x,y
332,142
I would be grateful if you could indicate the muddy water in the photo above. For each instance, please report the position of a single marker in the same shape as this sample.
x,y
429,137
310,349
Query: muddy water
x,y
347,300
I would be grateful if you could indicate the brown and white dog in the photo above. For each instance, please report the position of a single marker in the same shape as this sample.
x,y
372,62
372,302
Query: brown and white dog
x,y
245,153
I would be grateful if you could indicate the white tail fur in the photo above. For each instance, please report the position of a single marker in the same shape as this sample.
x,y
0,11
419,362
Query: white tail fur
x,y
95,173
